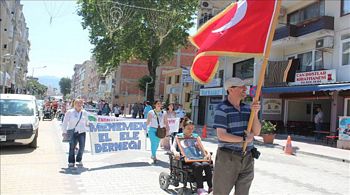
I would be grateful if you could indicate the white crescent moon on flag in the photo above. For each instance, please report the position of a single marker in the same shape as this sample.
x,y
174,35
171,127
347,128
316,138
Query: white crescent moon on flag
x,y
239,15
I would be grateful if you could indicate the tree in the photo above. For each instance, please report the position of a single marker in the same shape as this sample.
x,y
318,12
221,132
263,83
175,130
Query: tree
x,y
142,85
65,85
36,88
154,32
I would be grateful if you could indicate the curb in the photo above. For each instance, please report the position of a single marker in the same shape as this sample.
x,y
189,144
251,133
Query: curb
x,y
260,143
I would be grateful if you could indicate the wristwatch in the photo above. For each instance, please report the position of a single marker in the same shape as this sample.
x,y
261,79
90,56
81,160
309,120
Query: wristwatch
x,y
244,137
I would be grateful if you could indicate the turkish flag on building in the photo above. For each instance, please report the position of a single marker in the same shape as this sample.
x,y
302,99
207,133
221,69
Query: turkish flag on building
x,y
242,29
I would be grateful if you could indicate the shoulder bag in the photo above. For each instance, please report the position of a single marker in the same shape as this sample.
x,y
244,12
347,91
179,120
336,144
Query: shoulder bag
x,y
161,131
70,132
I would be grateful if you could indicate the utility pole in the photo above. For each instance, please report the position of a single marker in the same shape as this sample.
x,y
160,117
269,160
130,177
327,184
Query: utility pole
x,y
147,87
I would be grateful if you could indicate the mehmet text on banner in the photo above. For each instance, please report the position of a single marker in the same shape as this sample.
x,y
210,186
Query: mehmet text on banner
x,y
114,136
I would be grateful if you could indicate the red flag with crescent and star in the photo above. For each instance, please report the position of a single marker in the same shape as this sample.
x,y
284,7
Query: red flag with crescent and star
x,y
242,29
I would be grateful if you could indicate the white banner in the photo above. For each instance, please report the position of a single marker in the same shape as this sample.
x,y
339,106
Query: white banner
x,y
107,136
174,124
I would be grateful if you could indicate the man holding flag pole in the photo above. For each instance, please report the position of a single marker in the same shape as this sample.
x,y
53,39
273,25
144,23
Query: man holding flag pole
x,y
243,29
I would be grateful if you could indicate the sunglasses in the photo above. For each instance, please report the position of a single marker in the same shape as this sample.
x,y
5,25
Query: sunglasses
x,y
189,122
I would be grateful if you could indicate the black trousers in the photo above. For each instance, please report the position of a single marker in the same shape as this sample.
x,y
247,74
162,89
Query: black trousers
x,y
198,168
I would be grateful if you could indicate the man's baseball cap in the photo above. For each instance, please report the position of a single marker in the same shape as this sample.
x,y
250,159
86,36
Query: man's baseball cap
x,y
233,82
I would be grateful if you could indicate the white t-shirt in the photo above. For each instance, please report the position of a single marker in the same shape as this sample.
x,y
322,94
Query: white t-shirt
x,y
154,122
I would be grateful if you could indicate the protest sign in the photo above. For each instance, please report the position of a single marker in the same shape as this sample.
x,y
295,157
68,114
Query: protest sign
x,y
107,136
173,125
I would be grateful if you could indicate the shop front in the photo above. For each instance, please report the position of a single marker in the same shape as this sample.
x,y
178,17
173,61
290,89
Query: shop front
x,y
294,108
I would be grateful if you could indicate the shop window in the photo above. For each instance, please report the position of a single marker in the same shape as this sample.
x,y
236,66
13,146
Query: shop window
x,y
312,11
345,7
244,69
347,107
345,44
177,79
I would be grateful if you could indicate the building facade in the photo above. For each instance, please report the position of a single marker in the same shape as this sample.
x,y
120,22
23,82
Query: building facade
x,y
14,51
315,34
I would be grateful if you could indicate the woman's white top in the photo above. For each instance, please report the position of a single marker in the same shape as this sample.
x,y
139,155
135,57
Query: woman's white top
x,y
161,116
71,118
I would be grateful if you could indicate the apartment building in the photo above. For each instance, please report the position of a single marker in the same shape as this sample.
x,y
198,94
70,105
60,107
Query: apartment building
x,y
316,35
127,77
14,51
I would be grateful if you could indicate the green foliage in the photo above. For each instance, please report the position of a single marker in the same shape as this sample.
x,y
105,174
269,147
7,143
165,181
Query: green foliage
x,y
138,38
36,88
65,86
267,127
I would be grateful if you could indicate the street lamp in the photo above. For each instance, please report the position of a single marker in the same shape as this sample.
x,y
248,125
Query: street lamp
x,y
37,67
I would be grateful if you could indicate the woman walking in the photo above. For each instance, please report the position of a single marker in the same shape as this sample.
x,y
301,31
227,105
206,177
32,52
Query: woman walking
x,y
76,119
165,142
156,118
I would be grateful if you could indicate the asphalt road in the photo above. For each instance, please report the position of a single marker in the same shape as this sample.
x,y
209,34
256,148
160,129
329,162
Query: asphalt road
x,y
43,171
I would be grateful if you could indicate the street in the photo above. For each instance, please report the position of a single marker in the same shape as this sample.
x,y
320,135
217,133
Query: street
x,y
43,171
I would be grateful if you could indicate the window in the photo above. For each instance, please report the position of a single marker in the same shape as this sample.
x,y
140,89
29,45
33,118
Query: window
x,y
187,97
345,7
312,11
169,80
345,44
177,79
309,61
244,69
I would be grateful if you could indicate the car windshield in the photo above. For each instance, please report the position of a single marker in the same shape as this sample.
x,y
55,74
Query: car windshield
x,y
16,107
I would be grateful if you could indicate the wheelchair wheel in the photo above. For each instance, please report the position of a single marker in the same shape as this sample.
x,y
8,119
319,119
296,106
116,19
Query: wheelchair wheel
x,y
164,180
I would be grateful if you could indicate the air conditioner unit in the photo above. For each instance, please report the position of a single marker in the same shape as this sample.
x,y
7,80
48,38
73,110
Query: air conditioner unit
x,y
206,5
324,43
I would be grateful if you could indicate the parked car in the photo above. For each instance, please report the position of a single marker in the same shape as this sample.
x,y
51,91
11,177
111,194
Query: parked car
x,y
19,120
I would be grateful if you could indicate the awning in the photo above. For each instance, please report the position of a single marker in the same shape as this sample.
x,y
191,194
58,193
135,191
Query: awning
x,y
307,88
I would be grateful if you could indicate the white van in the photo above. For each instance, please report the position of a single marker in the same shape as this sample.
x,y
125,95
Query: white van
x,y
19,120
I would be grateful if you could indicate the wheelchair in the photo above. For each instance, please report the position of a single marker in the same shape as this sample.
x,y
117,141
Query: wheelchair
x,y
180,172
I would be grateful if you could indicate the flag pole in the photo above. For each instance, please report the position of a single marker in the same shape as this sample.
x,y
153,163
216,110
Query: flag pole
x,y
263,68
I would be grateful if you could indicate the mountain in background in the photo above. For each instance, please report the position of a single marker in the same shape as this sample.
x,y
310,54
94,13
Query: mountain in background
x,y
50,81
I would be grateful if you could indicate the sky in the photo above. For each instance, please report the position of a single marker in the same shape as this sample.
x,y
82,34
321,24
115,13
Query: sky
x,y
59,45
57,38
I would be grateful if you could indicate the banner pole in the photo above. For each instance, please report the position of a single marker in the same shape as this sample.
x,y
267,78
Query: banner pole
x,y
263,69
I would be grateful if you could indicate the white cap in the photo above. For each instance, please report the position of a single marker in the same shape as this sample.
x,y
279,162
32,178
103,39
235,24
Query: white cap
x,y
233,82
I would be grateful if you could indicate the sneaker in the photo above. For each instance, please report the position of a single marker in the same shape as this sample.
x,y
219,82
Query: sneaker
x,y
80,164
201,191
70,165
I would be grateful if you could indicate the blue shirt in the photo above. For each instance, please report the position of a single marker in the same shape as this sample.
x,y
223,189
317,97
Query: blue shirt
x,y
234,121
146,110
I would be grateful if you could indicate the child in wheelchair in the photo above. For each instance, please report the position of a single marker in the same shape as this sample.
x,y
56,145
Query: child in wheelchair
x,y
196,158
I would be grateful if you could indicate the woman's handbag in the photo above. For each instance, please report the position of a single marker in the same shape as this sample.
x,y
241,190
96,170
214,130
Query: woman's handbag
x,y
161,131
68,137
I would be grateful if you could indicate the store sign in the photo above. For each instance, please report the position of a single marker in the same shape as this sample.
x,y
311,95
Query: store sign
x,y
211,92
315,77
344,128
186,77
214,83
272,106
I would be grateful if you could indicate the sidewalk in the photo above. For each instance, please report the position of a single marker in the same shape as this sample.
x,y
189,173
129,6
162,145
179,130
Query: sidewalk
x,y
300,144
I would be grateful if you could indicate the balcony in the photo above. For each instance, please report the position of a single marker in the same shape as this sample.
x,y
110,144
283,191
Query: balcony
x,y
321,23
